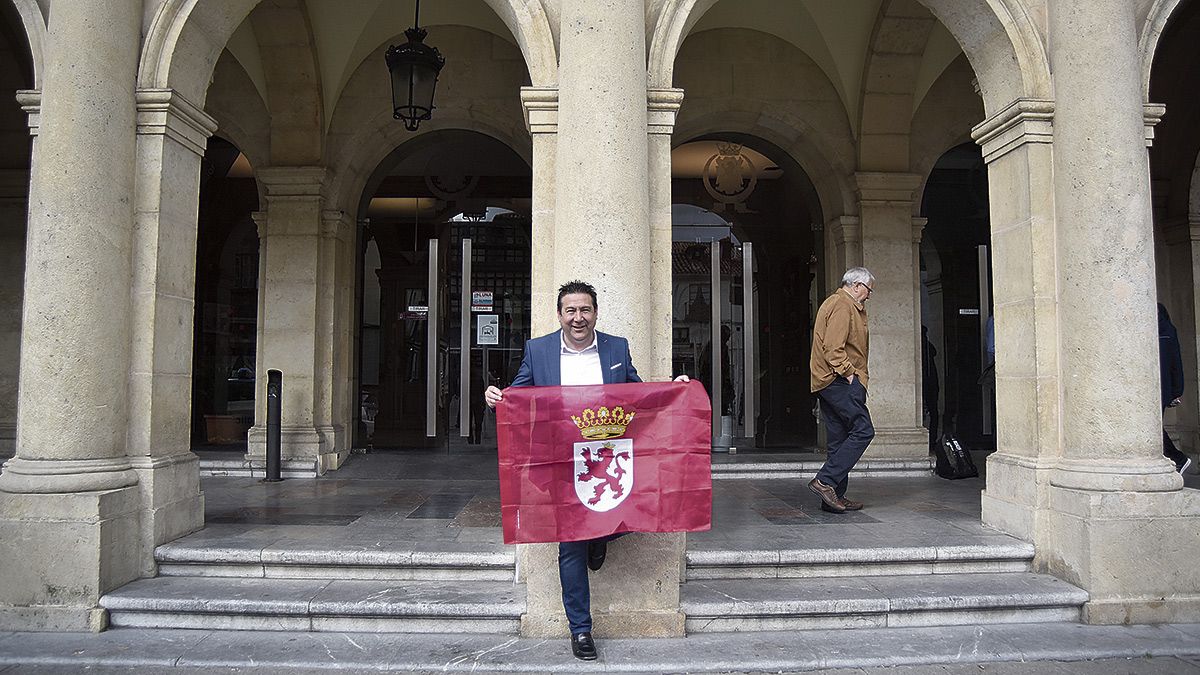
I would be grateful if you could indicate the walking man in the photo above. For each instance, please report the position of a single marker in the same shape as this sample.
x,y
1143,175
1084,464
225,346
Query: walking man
x,y
839,377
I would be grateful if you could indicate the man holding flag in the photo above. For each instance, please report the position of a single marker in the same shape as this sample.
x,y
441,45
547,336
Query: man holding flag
x,y
576,355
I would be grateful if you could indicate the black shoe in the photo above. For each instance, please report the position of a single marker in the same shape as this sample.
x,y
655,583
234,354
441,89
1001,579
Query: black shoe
x,y
596,552
829,499
583,647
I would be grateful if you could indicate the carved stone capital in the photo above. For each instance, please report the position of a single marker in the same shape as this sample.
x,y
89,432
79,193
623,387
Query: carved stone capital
x,y
1025,120
167,112
541,109
662,106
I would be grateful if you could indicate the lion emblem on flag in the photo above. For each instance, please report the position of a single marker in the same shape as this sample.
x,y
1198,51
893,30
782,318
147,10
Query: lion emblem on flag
x,y
604,464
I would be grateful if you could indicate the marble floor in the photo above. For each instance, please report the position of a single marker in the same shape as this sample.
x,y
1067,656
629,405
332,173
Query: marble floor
x,y
424,500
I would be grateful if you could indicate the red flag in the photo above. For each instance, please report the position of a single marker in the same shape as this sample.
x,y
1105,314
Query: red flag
x,y
584,462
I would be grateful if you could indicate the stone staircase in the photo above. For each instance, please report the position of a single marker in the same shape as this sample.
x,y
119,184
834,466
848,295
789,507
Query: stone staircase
x,y
203,585
974,582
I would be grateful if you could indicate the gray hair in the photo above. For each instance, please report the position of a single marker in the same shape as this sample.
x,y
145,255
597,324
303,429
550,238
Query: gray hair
x,y
857,275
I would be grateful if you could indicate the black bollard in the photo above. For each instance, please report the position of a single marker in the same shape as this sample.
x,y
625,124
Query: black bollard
x,y
274,412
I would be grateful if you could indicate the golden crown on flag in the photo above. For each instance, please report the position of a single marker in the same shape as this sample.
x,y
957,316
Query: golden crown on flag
x,y
599,425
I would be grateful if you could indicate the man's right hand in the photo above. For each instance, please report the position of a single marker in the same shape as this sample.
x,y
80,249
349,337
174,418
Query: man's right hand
x,y
492,396
851,378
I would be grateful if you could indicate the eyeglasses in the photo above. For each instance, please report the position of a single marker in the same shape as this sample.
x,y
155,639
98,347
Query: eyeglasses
x,y
869,289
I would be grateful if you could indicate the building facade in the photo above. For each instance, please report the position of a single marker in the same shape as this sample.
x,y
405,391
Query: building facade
x,y
197,192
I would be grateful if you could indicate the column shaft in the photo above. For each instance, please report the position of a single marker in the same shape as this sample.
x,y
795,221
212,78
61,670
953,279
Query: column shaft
x,y
1111,416
76,325
602,232
890,252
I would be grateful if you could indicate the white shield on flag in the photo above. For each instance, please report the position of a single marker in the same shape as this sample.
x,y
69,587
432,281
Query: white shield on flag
x,y
604,473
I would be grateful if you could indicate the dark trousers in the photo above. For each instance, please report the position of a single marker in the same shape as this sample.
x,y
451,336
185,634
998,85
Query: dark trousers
x,y
576,592
1172,453
848,430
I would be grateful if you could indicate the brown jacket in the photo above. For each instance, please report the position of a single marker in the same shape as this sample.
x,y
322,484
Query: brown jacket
x,y
839,345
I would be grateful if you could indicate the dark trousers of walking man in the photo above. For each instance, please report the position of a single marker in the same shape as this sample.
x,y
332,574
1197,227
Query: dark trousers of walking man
x,y
848,430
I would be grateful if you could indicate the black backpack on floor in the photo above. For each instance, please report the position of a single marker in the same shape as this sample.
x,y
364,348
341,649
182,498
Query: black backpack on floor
x,y
952,461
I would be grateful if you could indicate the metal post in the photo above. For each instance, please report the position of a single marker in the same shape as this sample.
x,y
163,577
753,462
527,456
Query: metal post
x,y
985,298
464,354
749,337
274,413
432,314
717,375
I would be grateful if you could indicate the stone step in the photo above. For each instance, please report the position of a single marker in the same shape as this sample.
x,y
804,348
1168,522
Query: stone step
x,y
877,602
317,605
806,466
993,554
295,560
243,467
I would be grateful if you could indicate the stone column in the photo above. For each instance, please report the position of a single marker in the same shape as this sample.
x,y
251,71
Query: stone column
x,y
1114,501
1016,146
843,248
295,324
890,251
602,234
541,118
68,500
172,134
335,304
663,106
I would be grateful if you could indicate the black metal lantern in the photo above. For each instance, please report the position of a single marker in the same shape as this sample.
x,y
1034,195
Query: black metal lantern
x,y
414,66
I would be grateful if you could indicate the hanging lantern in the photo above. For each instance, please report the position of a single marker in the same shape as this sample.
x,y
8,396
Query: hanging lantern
x,y
414,66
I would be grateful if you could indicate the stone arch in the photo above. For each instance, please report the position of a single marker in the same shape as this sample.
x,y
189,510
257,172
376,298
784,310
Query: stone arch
x,y
828,176
942,121
483,98
241,114
185,38
34,23
894,56
1159,13
293,82
999,37
355,164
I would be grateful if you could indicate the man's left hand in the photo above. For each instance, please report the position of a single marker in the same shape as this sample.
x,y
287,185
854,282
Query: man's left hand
x,y
682,378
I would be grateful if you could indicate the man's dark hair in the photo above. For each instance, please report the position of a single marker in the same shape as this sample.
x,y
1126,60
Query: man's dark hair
x,y
572,287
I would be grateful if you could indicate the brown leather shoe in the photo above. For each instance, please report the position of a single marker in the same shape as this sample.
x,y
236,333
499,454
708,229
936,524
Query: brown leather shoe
x,y
828,496
851,505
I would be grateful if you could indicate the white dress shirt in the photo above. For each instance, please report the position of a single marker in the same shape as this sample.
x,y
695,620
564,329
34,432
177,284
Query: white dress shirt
x,y
582,366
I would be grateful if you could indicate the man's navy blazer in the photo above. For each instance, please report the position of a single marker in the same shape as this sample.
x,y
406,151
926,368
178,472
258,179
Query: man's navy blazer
x,y
540,367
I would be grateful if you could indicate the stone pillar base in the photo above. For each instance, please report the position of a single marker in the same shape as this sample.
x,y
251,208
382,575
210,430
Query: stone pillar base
x,y
1134,552
172,504
61,552
635,594
313,445
1015,492
899,443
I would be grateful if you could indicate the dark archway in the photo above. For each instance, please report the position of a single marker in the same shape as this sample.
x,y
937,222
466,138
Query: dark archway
x,y
447,186
777,210
226,319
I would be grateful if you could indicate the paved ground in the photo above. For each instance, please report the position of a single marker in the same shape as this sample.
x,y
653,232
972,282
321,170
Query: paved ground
x,y
1007,649
407,500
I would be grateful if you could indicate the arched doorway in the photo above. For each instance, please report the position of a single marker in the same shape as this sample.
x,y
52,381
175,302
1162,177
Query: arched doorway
x,y
732,188
225,324
16,73
1175,186
426,202
956,300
